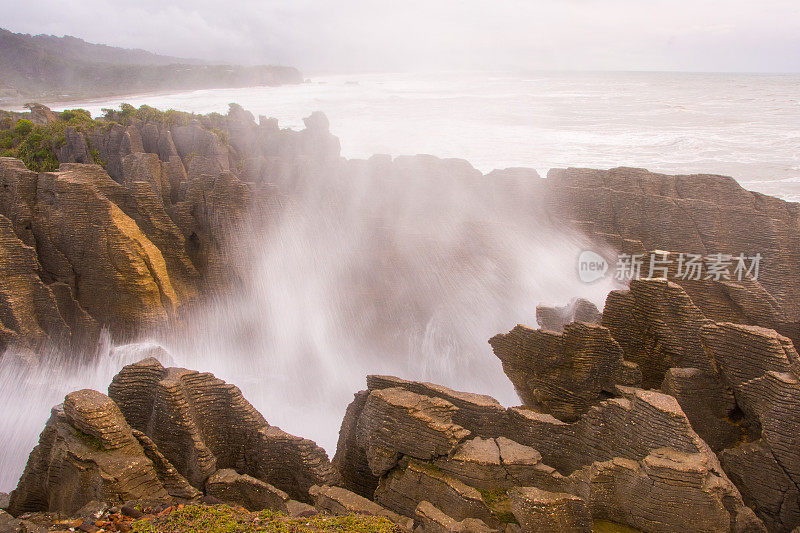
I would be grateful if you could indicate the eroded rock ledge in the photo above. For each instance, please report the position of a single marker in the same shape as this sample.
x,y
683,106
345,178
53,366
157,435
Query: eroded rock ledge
x,y
166,434
675,409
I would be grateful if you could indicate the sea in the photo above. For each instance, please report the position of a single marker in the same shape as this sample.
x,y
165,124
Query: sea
x,y
742,125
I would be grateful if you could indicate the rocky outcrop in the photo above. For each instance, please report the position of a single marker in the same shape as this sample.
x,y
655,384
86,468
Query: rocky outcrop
x,y
606,458
657,326
708,404
636,211
392,422
86,452
165,208
29,310
339,501
166,434
202,424
249,492
564,373
635,493
761,367
432,520
539,510
578,310
405,488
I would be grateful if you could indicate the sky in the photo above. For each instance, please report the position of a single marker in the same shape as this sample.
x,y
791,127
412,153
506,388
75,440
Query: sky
x,y
323,36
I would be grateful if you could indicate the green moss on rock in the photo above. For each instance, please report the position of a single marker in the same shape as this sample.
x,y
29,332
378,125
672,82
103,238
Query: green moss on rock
x,y
227,519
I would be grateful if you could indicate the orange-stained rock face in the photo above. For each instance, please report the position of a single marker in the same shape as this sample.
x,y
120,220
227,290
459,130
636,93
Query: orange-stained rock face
x,y
85,240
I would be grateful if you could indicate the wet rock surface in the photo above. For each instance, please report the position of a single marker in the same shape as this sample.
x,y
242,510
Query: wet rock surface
x,y
133,242
674,409
89,452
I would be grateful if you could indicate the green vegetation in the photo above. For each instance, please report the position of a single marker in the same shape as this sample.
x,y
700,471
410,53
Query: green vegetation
x,y
226,519
126,114
91,440
498,502
37,145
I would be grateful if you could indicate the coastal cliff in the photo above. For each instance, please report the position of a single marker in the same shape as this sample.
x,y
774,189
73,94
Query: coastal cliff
x,y
674,408
50,68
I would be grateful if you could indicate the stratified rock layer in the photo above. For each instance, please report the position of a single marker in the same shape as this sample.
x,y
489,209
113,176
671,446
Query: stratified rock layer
x,y
627,458
202,424
86,452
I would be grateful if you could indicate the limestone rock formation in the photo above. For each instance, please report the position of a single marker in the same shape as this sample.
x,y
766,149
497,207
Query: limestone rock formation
x,y
578,310
540,510
88,242
392,421
166,434
762,368
698,214
607,458
202,424
492,464
657,326
166,208
86,452
249,492
29,310
432,520
339,501
708,404
405,488
564,374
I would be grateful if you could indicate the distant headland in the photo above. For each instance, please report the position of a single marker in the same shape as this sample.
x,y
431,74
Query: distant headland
x,y
47,68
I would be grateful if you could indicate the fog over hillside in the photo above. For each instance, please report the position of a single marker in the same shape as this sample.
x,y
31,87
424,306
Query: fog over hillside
x,y
378,35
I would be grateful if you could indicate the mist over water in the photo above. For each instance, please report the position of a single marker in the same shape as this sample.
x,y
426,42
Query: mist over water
x,y
403,268
407,271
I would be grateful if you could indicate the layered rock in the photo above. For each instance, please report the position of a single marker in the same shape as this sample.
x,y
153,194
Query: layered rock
x,y
166,434
86,452
165,209
701,214
607,458
564,373
540,510
392,422
86,241
339,501
251,493
202,424
658,327
403,489
578,310
761,368
29,310
433,520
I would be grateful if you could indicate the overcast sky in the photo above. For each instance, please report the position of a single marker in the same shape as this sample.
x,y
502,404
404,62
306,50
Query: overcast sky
x,y
386,35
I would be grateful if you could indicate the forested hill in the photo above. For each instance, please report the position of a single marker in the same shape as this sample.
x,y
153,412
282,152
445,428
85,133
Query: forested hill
x,y
49,68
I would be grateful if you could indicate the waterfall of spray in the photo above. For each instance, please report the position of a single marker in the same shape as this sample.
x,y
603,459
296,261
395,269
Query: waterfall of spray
x,y
29,389
379,267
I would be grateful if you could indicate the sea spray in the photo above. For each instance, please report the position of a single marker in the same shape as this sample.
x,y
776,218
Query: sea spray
x,y
403,267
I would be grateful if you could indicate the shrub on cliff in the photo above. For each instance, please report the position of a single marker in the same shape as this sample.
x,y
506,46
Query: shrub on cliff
x,y
37,145
23,127
126,114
